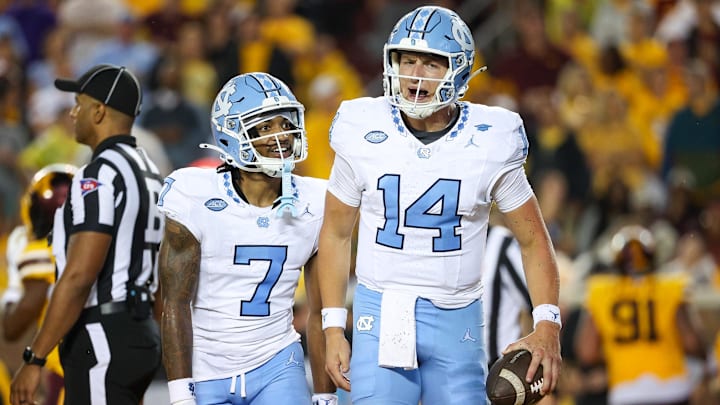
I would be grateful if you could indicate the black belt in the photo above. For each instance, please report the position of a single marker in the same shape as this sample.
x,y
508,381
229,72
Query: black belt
x,y
93,314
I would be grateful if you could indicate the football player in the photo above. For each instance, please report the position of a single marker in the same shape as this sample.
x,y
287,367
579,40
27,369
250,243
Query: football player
x,y
422,170
35,264
638,322
236,239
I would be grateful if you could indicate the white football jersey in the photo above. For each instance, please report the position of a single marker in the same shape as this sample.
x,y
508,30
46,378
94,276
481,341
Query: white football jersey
x,y
423,208
249,267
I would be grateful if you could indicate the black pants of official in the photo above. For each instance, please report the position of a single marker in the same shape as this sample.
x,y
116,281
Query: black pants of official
x,y
110,359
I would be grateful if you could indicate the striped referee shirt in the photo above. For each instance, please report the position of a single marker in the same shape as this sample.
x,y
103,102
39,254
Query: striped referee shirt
x,y
505,292
116,193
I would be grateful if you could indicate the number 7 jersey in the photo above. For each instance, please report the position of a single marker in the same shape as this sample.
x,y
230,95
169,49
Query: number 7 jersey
x,y
249,267
423,208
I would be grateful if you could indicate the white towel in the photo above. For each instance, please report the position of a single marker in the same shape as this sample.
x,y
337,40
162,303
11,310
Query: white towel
x,y
397,330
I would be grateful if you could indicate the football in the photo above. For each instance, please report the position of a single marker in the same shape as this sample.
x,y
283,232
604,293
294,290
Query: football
x,y
506,383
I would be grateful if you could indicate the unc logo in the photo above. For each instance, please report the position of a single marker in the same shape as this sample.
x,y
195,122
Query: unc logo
x,y
263,222
424,153
223,103
215,204
461,34
376,136
365,323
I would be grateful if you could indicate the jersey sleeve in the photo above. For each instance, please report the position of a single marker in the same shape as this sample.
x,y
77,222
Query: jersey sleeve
x,y
509,153
175,201
93,195
36,262
343,182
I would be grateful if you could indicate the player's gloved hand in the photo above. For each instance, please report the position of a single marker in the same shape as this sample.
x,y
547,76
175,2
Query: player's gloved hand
x,y
324,399
182,391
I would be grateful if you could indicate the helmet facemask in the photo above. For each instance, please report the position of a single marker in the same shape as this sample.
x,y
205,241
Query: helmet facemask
x,y
248,156
443,96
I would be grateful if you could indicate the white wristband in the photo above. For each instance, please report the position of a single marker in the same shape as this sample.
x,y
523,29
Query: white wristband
x,y
182,391
324,399
546,312
334,317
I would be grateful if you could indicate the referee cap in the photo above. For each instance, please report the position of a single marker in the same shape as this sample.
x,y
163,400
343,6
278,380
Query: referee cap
x,y
114,86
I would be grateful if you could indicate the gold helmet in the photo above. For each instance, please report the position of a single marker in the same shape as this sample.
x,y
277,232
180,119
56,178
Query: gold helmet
x,y
47,191
633,248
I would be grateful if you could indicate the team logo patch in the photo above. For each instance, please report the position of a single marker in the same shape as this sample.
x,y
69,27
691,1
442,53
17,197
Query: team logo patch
x,y
263,222
376,136
89,185
424,153
365,323
216,204
483,127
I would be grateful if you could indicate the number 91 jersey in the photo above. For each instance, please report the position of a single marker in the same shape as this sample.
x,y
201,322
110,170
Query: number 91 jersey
x,y
423,208
636,319
249,267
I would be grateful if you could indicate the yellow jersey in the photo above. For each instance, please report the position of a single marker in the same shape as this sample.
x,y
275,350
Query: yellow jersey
x,y
635,318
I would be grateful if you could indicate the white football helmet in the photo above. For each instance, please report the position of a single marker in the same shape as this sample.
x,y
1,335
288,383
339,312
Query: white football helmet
x,y
438,31
245,101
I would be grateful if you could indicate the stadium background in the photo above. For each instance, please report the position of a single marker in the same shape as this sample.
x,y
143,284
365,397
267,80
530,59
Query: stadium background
x,y
619,97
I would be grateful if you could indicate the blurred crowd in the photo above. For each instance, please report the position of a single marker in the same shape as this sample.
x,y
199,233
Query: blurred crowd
x,y
619,98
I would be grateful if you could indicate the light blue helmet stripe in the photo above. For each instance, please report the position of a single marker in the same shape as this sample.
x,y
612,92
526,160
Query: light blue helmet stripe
x,y
268,85
419,26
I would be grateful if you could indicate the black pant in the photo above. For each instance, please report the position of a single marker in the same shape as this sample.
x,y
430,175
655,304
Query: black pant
x,y
110,358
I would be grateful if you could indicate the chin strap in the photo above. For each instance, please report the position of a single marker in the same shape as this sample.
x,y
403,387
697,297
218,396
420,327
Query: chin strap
x,y
287,199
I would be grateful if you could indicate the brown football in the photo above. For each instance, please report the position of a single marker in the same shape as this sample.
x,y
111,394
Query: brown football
x,y
506,383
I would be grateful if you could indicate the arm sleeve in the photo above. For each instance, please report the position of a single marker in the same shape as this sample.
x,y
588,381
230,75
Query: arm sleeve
x,y
512,190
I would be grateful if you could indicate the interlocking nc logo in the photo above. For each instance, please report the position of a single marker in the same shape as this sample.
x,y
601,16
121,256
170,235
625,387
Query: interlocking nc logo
x,y
365,323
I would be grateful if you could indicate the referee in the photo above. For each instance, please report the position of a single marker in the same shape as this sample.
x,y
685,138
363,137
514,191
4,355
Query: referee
x,y
105,242
507,308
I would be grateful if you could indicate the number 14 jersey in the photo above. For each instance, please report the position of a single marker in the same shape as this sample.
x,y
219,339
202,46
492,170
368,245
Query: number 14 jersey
x,y
423,208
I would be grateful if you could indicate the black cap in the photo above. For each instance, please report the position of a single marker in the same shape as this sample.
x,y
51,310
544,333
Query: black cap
x,y
114,86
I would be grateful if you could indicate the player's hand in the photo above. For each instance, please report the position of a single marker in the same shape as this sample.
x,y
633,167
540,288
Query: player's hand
x,y
24,385
544,344
337,357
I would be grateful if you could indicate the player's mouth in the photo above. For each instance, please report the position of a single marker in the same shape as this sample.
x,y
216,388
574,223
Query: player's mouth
x,y
284,151
418,95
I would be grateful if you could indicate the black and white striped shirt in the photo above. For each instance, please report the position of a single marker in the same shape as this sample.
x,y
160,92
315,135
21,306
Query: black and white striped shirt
x,y
505,292
116,193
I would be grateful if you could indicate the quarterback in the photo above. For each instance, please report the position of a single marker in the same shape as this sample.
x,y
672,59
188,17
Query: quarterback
x,y
422,170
